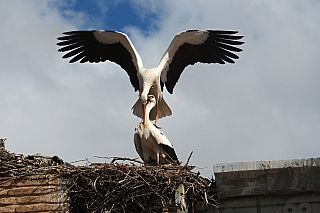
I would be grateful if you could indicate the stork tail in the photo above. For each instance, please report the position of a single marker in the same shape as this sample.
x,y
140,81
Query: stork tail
x,y
163,110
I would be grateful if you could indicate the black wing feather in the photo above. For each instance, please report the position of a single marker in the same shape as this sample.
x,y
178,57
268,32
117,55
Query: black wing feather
x,y
170,151
218,48
84,47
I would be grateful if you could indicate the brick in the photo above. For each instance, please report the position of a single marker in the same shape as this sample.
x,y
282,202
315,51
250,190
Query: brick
x,y
32,208
49,198
29,190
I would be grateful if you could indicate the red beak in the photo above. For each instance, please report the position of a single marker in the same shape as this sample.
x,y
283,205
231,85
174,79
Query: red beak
x,y
144,113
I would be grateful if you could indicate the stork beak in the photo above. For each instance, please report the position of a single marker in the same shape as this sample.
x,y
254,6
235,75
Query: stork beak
x,y
144,113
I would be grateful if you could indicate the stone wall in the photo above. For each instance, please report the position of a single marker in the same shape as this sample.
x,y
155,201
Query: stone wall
x,y
280,186
32,194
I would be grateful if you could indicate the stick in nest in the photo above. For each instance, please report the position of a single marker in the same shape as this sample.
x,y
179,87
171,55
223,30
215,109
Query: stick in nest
x,y
189,158
120,158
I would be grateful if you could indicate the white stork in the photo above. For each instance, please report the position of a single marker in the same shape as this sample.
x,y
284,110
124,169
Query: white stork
x,y
150,143
187,48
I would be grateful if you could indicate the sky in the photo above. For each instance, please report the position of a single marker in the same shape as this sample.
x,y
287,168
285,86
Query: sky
x,y
266,106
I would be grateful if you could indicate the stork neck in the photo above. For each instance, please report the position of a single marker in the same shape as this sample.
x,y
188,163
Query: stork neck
x,y
148,110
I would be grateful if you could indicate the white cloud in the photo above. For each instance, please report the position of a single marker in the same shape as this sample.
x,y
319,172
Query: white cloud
x,y
266,106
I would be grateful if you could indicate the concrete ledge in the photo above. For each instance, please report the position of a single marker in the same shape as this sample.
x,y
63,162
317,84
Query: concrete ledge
x,y
267,177
266,164
278,186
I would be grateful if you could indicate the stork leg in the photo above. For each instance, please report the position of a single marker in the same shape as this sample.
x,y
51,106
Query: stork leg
x,y
144,113
157,117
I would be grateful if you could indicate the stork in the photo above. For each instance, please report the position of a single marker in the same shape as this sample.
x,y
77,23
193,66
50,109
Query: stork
x,y
150,143
187,48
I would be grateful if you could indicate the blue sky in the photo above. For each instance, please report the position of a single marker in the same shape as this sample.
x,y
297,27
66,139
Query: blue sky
x,y
112,15
263,107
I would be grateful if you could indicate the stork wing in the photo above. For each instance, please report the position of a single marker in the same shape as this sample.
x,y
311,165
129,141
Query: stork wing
x,y
170,152
192,46
98,46
137,145
163,141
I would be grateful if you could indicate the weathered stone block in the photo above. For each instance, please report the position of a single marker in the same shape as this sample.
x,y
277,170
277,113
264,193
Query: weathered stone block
x,y
269,186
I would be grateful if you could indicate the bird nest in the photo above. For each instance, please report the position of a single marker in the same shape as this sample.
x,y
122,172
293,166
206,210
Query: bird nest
x,y
117,187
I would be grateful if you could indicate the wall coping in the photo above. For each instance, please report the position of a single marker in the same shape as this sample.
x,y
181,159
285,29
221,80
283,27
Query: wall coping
x,y
266,164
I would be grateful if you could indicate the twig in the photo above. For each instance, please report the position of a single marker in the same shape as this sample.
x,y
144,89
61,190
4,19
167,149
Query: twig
x,y
120,158
77,161
189,157
185,166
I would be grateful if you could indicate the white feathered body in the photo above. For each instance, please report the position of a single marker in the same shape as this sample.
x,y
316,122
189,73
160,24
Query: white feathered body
x,y
151,144
149,84
150,139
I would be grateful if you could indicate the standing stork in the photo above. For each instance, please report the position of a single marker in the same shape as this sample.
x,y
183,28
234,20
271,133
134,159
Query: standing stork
x,y
150,143
187,48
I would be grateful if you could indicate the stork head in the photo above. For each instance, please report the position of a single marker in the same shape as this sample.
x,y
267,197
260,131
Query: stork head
x,y
150,102
151,99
